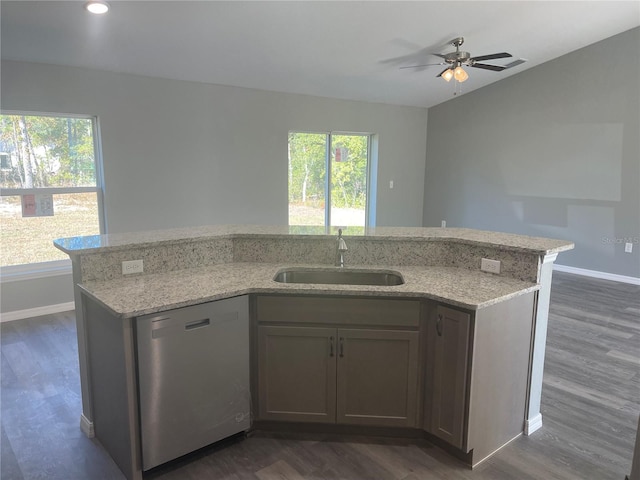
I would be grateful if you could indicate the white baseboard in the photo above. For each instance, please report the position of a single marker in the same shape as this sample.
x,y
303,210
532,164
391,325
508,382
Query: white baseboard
x,y
595,274
533,424
86,426
36,312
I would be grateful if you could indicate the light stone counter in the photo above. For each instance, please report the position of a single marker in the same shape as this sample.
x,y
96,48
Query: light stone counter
x,y
134,296
100,257
481,238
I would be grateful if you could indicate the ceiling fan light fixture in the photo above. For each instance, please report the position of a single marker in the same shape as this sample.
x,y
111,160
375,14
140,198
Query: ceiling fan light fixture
x,y
447,75
460,75
97,7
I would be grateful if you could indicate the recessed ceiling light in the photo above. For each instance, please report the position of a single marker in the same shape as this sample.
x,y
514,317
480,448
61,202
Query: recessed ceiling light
x,y
96,6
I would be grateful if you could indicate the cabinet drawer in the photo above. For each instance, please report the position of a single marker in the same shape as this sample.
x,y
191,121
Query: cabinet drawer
x,y
337,310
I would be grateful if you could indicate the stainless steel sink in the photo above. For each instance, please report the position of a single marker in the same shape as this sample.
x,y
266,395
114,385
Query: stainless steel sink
x,y
339,277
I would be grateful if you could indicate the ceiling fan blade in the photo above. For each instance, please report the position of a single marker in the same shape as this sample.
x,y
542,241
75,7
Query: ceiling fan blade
x,y
439,55
419,55
515,63
420,66
491,57
485,66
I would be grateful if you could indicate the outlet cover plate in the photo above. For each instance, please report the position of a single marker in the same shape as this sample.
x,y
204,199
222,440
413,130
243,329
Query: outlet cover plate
x,y
492,266
132,266
628,247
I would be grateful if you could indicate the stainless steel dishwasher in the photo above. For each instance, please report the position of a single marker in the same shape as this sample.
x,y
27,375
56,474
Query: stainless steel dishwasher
x,y
193,369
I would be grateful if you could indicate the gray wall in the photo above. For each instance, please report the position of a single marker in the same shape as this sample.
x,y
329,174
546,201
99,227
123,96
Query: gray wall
x,y
36,293
180,153
553,151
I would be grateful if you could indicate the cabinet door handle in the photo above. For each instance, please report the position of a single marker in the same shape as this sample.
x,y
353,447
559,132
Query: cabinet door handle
x,y
331,346
341,346
439,325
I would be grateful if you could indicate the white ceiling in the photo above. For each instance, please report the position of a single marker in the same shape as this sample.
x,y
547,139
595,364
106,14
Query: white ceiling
x,y
341,49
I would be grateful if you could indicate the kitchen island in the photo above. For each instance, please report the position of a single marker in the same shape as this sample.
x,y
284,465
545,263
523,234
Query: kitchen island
x,y
444,290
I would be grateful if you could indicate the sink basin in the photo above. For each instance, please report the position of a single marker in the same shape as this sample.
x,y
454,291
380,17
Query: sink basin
x,y
339,277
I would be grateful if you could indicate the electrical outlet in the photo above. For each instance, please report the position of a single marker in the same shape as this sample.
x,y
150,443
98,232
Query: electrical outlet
x,y
628,247
492,266
132,266
443,223
390,183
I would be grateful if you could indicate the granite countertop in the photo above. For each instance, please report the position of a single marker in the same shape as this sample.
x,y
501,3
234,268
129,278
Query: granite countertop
x,y
121,241
139,295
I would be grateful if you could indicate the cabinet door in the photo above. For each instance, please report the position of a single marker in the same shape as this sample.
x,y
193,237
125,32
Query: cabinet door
x,y
377,377
297,373
449,335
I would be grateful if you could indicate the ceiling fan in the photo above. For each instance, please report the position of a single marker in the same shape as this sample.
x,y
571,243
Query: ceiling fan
x,y
455,60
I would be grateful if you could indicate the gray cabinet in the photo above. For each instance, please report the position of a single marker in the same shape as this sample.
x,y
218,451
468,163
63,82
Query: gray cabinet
x,y
448,333
362,361
312,370
476,375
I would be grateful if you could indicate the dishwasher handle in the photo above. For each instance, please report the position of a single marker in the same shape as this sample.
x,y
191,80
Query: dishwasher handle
x,y
205,322
164,326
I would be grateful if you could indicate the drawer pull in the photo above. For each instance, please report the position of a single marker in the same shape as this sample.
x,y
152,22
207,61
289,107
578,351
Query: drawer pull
x,y
439,325
341,346
331,346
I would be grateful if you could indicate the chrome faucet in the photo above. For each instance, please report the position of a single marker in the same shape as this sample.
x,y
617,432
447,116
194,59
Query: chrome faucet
x,y
340,249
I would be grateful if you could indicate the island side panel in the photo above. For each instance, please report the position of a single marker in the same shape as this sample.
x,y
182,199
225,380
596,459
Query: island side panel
x,y
112,374
499,375
86,418
534,417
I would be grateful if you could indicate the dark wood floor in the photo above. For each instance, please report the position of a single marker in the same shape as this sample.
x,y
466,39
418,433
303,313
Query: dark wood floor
x,y
590,407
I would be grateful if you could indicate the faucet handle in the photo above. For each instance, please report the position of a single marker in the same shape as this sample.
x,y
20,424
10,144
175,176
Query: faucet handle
x,y
342,246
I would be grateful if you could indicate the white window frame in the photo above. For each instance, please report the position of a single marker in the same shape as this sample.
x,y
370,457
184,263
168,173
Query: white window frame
x,y
30,271
327,180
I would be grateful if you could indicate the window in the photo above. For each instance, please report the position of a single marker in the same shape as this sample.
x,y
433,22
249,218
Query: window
x,y
50,187
328,178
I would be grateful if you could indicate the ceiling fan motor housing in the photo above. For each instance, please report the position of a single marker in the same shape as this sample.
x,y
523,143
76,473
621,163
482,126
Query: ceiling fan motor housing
x,y
457,57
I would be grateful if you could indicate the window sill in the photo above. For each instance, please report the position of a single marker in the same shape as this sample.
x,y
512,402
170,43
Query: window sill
x,y
31,271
